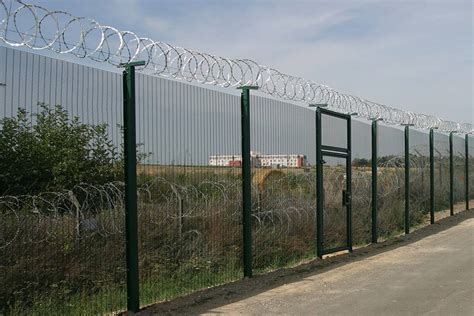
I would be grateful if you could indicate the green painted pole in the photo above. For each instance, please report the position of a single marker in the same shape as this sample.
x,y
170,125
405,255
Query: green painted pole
x,y
246,181
451,175
374,181
466,169
130,172
432,167
349,183
319,188
407,179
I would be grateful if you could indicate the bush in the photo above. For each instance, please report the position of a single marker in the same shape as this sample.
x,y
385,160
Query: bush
x,y
50,151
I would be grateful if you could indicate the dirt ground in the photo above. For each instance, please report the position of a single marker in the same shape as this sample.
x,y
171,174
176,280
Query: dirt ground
x,y
234,298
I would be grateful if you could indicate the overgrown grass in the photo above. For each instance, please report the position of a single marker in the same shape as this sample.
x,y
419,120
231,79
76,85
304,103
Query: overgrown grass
x,y
113,299
190,237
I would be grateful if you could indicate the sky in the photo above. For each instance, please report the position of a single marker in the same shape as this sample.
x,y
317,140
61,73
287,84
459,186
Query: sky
x,y
413,55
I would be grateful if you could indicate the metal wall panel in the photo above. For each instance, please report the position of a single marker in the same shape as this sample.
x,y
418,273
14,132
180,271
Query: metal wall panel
x,y
95,95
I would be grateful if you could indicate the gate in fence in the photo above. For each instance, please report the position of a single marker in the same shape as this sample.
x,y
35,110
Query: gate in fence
x,y
334,211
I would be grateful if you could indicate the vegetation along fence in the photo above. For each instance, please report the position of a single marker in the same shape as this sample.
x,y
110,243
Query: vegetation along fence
x,y
122,187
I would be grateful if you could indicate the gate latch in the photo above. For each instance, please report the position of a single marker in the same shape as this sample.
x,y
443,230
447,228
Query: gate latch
x,y
346,198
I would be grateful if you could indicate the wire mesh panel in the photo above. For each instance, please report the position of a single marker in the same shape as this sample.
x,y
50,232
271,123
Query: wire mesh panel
x,y
283,183
391,181
334,209
61,188
441,163
62,247
361,182
419,178
459,174
189,176
333,131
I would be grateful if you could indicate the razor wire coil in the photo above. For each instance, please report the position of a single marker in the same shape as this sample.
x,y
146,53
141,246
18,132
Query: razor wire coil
x,y
32,26
98,210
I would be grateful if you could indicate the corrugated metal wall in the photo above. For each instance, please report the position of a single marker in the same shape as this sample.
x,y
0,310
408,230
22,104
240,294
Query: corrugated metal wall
x,y
172,117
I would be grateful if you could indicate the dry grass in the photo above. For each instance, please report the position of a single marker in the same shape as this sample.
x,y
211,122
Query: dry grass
x,y
190,234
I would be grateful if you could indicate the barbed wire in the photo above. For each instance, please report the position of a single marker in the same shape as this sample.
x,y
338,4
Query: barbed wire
x,y
28,25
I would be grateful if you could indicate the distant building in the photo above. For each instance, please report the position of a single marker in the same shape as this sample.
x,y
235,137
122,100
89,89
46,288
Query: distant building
x,y
287,161
259,160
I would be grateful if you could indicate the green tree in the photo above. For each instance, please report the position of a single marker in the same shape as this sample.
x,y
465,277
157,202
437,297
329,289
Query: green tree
x,y
50,151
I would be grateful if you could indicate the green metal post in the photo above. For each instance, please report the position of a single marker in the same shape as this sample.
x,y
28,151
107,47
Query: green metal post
x,y
130,168
432,190
319,188
407,179
246,181
466,170
349,183
451,175
374,181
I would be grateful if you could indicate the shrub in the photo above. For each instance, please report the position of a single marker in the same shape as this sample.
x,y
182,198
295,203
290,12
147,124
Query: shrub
x,y
49,151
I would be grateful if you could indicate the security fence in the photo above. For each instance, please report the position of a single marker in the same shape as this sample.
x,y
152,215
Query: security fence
x,y
63,243
216,186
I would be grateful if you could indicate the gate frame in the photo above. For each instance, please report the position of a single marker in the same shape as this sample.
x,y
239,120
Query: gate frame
x,y
338,152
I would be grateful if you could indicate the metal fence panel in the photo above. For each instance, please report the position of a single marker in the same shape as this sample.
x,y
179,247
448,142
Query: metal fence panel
x,y
283,183
419,178
471,170
459,174
361,182
62,244
189,188
391,181
441,148
61,247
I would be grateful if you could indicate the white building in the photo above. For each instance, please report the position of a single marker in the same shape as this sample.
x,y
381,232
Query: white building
x,y
284,161
259,160
225,160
